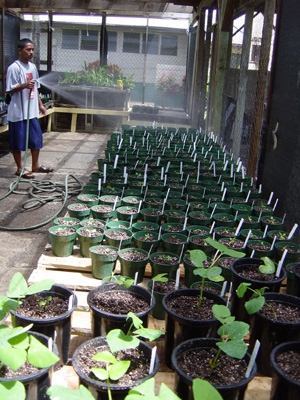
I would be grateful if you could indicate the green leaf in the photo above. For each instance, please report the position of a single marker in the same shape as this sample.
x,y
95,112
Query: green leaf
x,y
203,390
105,356
217,245
236,330
39,355
165,393
117,340
18,286
137,322
213,272
220,312
128,283
150,334
37,287
12,357
160,278
57,392
255,304
242,289
100,373
201,272
198,257
234,253
117,370
12,390
233,348
145,388
268,267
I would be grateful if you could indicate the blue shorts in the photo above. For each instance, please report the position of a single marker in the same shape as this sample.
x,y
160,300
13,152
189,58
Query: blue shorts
x,y
17,135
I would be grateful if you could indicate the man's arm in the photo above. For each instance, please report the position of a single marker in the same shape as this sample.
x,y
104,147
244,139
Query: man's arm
x,y
42,108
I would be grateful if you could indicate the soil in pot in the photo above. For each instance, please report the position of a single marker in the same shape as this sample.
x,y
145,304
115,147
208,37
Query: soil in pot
x,y
97,223
233,243
164,262
277,322
62,240
67,221
133,261
110,305
137,373
285,359
41,307
262,248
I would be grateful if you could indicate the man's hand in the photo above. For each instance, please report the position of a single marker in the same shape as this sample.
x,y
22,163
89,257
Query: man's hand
x,y
43,110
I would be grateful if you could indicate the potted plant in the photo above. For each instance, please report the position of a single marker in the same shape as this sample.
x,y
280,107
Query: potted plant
x,y
78,210
88,237
164,262
133,261
103,260
62,240
146,240
174,243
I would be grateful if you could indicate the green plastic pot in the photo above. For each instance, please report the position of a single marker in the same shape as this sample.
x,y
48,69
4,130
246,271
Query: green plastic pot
x,y
110,200
223,219
88,199
172,227
62,245
67,221
255,234
161,267
149,215
199,218
224,232
102,264
176,204
199,230
92,222
118,224
293,254
193,245
131,201
145,226
105,212
220,207
116,242
250,222
241,209
259,253
273,223
90,189
281,236
85,242
79,214
264,210
158,311
174,216
123,216
198,206
171,247
141,243
130,267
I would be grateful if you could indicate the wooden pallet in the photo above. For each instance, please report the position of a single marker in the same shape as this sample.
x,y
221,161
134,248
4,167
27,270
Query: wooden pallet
x,y
74,272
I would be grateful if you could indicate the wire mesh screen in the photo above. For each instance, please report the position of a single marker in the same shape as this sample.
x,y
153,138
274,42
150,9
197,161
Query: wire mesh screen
x,y
153,58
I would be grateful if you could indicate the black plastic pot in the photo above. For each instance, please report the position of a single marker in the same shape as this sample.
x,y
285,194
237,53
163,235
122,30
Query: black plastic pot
x,y
36,384
271,332
103,322
100,387
296,286
184,382
59,326
237,304
179,328
284,387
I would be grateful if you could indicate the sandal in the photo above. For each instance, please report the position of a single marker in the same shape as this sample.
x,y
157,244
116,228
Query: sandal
x,y
43,169
26,174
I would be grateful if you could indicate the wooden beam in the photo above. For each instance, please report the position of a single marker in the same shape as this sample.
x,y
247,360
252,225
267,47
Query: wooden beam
x,y
261,87
227,16
198,61
241,97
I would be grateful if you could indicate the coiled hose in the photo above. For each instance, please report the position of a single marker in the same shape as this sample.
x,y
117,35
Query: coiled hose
x,y
41,191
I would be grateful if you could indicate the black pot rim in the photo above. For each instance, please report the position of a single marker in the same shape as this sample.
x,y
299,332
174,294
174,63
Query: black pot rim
x,y
189,380
277,350
122,289
257,261
102,386
190,292
53,320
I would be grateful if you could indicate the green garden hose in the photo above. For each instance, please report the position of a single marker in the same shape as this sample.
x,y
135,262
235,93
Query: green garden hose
x,y
40,190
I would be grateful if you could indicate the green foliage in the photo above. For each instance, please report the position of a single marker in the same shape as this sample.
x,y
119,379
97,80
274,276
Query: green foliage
x,y
12,390
114,369
160,278
203,390
145,391
43,303
268,267
18,287
232,334
213,273
57,392
257,300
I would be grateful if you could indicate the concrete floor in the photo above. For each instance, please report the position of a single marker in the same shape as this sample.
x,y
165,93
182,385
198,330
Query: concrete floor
x,y
68,153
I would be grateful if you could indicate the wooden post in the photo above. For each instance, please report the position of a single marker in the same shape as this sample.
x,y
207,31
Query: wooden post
x,y
241,97
261,87
221,75
198,70
206,55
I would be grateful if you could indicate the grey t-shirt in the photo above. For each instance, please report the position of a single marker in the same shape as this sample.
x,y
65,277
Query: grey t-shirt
x,y
18,73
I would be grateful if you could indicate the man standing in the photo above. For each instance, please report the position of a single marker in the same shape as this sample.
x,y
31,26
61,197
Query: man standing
x,y
20,84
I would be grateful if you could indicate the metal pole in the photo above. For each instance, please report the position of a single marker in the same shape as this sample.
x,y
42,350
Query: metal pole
x,y
145,62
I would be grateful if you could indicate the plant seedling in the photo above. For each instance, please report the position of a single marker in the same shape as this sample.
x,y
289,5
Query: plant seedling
x,y
58,392
43,303
232,335
213,273
257,301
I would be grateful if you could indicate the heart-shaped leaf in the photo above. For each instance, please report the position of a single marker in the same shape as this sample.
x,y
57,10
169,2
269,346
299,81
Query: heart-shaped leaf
x,y
39,355
255,304
12,390
117,340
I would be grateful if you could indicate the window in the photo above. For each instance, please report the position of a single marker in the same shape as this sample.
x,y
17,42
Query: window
x,y
89,40
131,42
169,45
152,43
70,39
112,41
255,53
